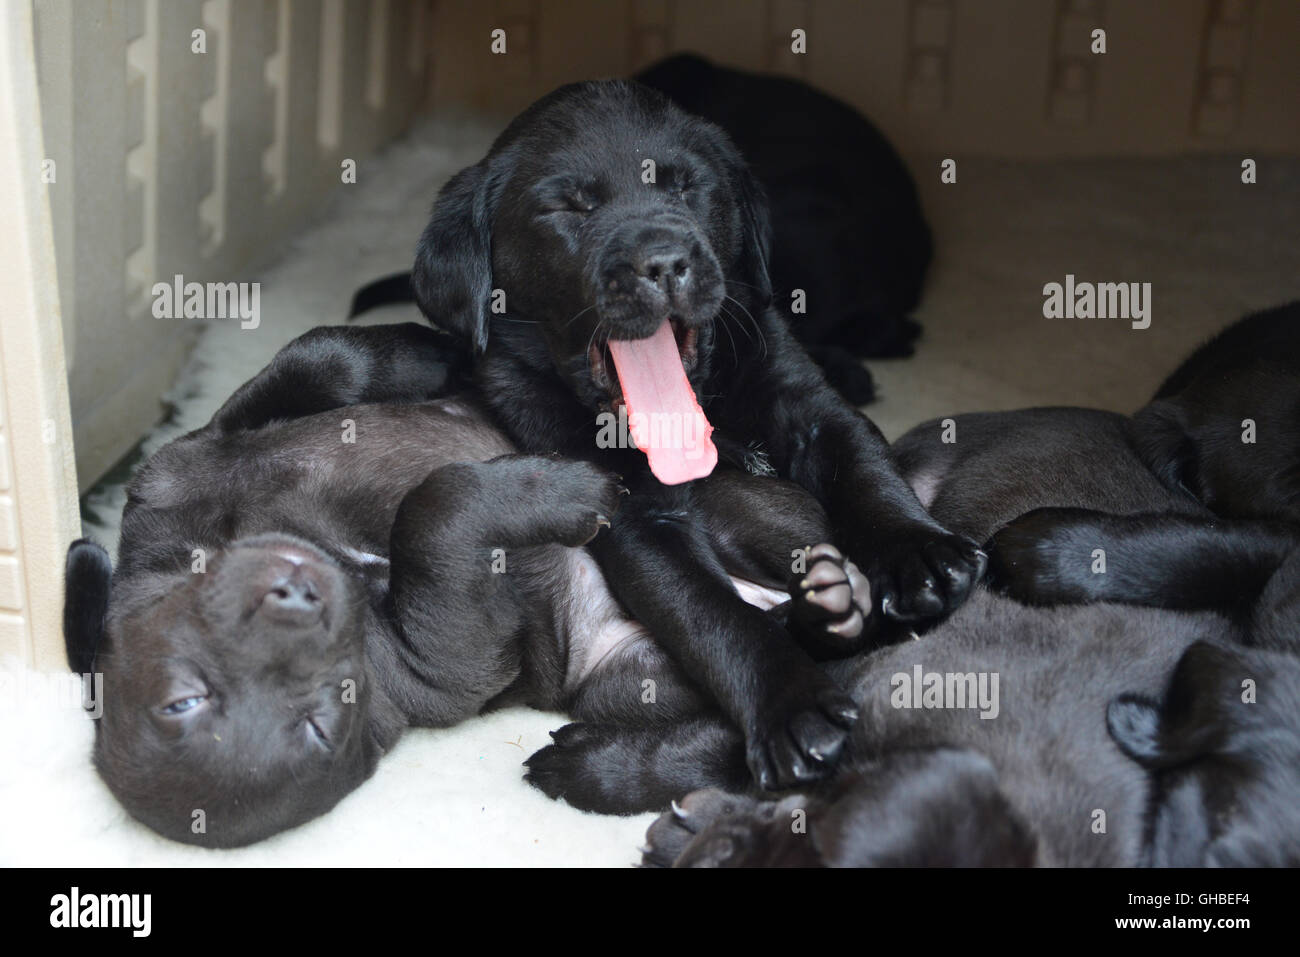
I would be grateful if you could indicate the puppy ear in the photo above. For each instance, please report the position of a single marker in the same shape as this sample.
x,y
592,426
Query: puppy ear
x,y
1164,445
756,230
452,278
1201,709
1134,723
87,579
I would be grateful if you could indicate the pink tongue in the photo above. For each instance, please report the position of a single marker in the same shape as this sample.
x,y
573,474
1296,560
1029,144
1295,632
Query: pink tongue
x,y
666,422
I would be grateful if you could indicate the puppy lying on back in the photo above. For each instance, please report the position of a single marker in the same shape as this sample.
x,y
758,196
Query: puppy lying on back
x,y
340,554
1118,736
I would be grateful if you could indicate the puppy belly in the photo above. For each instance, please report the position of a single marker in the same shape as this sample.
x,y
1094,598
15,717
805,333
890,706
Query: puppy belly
x,y
598,627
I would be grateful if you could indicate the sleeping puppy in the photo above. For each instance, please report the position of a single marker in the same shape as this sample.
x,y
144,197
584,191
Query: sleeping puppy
x,y
1224,431
1175,771
1118,736
847,223
608,260
340,554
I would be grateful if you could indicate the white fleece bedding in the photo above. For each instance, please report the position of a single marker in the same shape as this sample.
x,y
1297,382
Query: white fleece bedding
x,y
1211,247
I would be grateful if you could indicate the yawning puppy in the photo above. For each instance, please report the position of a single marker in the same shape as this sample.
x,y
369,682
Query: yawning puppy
x,y
608,260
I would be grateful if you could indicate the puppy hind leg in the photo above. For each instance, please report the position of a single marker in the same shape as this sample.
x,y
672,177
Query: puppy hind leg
x,y
758,526
638,686
334,366
619,770
1163,560
462,619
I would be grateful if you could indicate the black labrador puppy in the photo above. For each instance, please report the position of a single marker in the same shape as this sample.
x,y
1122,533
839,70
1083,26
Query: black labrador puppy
x,y
847,222
340,554
608,260
1113,736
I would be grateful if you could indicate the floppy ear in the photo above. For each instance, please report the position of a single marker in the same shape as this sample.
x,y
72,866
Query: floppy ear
x,y
452,277
756,229
86,582
1201,709
1166,448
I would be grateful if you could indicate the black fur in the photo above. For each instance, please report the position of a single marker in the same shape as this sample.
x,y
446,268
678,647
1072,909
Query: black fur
x,y
1192,436
316,570
557,217
847,223
1135,712
1197,755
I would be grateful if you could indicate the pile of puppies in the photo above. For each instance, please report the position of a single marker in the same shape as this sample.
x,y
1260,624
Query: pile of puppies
x,y
286,603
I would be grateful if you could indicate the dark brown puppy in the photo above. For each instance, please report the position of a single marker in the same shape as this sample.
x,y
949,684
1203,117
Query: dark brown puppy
x,y
603,221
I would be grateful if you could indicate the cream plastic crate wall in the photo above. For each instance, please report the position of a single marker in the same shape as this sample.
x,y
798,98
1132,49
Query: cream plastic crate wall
x,y
1010,78
38,501
153,138
187,137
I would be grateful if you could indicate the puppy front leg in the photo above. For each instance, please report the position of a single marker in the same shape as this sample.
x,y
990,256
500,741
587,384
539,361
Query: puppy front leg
x,y
334,366
919,572
456,594
660,565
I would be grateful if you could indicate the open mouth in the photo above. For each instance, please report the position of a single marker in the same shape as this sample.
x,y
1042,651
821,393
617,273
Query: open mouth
x,y
648,381
605,375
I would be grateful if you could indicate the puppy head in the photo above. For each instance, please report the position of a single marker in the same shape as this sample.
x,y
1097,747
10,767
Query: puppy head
x,y
1223,748
602,212
235,699
1230,440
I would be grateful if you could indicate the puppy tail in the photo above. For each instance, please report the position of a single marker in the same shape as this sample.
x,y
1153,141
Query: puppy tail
x,y
382,292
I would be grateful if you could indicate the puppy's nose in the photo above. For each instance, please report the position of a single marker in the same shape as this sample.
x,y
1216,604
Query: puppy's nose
x,y
293,598
665,268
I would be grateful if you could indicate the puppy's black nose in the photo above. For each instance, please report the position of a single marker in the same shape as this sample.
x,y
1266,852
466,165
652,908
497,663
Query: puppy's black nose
x,y
665,268
293,598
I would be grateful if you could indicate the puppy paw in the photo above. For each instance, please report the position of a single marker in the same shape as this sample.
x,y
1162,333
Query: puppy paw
x,y
800,731
829,604
587,767
1045,557
715,828
572,499
924,576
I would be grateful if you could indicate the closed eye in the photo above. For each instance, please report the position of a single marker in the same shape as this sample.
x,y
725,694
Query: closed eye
x,y
317,732
581,201
565,195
